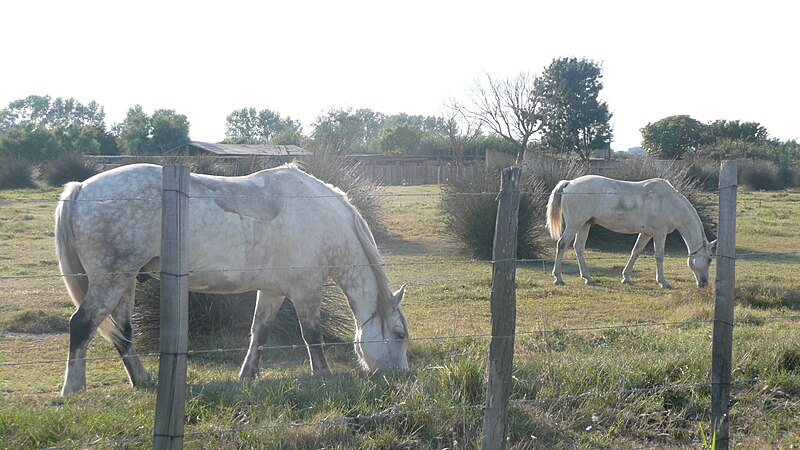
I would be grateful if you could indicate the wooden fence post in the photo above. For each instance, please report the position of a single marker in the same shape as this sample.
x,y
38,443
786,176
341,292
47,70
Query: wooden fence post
x,y
504,312
171,399
725,288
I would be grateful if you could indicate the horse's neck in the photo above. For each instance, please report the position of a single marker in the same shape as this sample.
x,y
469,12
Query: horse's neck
x,y
691,227
359,284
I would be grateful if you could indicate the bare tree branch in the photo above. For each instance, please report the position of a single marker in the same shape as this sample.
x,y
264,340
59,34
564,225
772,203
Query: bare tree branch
x,y
510,108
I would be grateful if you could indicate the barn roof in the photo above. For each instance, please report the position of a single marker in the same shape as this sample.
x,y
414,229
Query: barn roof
x,y
246,149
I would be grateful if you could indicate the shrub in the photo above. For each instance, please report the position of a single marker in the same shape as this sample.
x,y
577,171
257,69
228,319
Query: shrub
x,y
550,171
762,175
213,315
363,192
704,173
70,167
15,174
471,212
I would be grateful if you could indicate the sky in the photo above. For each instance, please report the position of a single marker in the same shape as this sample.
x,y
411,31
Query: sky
x,y
708,59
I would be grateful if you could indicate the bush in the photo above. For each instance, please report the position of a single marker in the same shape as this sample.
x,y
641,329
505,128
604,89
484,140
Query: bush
x,y
213,315
471,212
762,175
67,168
550,171
363,192
704,173
15,174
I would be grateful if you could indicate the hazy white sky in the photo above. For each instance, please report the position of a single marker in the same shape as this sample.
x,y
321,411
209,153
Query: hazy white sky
x,y
708,59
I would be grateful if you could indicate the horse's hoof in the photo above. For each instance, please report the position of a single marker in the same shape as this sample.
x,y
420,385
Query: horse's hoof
x,y
627,281
590,282
559,282
65,391
665,285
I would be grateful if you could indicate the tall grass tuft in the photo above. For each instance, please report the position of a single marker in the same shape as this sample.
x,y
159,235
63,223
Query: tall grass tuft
x,y
212,316
363,192
763,175
70,167
470,212
15,173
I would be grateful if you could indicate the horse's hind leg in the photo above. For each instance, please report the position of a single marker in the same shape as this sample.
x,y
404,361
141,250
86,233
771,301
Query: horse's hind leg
x,y
580,247
266,309
561,247
641,243
101,297
137,374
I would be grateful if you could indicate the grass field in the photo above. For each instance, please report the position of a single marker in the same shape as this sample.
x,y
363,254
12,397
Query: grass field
x,y
608,366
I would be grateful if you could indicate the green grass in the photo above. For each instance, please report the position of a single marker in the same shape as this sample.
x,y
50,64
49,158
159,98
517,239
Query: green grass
x,y
585,376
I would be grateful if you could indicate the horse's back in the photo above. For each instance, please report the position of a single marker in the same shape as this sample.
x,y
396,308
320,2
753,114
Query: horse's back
x,y
274,218
622,206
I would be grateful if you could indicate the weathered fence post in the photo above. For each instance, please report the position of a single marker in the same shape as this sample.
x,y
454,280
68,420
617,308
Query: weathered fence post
x,y
504,312
722,344
171,399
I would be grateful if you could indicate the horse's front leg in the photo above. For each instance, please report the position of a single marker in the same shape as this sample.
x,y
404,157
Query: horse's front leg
x,y
267,308
307,307
312,334
580,247
641,243
659,241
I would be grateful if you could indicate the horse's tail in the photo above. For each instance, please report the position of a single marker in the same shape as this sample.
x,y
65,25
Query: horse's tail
x,y
69,262
555,220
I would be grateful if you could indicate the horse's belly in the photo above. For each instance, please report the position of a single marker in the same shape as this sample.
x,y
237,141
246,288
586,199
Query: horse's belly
x,y
623,223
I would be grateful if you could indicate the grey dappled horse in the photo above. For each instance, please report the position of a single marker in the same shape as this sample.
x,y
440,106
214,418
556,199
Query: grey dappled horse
x,y
280,232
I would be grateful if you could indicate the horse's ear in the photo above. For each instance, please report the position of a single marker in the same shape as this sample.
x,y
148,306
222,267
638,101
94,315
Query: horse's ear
x,y
397,297
711,245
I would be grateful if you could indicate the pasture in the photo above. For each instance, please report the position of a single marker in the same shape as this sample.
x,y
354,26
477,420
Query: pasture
x,y
605,366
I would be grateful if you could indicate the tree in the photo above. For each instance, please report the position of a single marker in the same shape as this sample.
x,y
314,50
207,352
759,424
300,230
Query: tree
x,y
733,130
575,120
133,134
168,130
673,136
411,134
511,108
373,123
140,134
39,128
458,132
401,139
339,131
248,126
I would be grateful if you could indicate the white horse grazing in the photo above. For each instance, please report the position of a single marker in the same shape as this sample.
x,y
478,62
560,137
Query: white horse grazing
x,y
280,232
651,208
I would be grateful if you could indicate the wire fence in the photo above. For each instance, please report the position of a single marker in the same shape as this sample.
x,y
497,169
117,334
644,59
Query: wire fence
x,y
344,420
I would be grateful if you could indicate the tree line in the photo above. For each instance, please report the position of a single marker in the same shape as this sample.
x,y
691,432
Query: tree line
x,y
682,136
558,112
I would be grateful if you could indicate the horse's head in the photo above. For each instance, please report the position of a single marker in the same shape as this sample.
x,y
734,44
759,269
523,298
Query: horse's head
x,y
381,342
700,260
